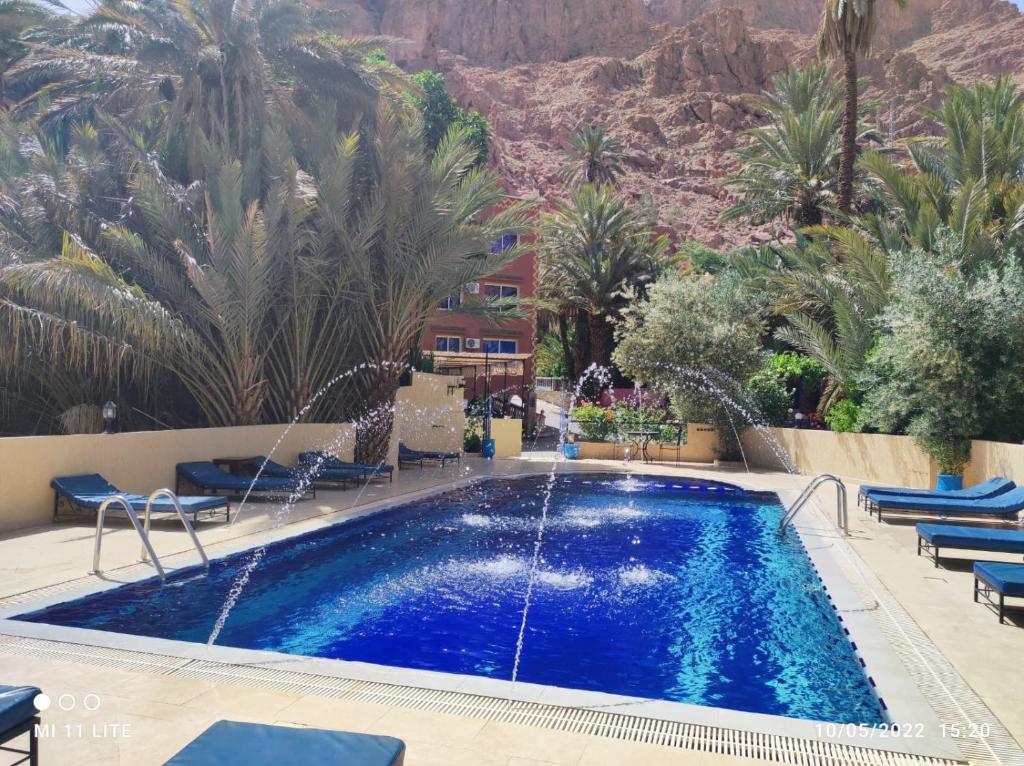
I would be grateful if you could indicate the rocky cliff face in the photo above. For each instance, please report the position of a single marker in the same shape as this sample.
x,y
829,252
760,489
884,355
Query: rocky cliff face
x,y
675,80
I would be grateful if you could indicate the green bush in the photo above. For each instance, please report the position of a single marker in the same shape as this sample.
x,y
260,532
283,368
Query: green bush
x,y
949,364
597,423
471,441
440,113
797,367
843,416
767,390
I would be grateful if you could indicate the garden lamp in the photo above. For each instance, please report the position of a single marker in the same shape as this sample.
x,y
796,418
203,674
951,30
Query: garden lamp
x,y
109,416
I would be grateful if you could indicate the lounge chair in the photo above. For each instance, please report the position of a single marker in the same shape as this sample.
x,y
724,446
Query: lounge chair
x,y
203,476
932,537
406,455
331,477
1007,504
992,578
990,488
257,744
328,461
18,715
86,493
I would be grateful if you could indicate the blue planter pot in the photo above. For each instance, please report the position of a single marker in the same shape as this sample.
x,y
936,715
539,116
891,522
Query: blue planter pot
x,y
487,448
948,481
571,451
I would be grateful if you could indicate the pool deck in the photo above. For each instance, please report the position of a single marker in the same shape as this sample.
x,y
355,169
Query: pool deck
x,y
165,711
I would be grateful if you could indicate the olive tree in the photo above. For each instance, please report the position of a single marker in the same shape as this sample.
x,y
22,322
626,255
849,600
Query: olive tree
x,y
696,338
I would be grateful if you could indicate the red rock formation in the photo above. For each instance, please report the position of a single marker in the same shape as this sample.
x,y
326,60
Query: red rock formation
x,y
675,80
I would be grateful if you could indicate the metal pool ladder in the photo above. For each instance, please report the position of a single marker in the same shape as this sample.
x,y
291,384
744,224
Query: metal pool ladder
x,y
842,520
143,530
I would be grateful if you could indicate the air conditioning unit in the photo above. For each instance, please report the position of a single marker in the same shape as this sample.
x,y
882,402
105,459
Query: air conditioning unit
x,y
473,343
473,288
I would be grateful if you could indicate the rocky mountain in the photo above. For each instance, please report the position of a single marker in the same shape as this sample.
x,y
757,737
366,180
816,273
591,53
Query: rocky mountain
x,y
675,80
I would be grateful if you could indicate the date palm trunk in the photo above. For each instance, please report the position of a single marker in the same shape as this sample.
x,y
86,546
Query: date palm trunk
x,y
849,152
376,421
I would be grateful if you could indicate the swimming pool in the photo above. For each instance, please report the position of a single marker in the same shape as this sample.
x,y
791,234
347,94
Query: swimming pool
x,y
677,591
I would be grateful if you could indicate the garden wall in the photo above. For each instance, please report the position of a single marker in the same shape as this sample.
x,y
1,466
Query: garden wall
x,y
878,458
701,447
427,416
139,461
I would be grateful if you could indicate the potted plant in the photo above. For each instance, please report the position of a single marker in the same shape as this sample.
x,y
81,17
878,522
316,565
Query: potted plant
x,y
951,456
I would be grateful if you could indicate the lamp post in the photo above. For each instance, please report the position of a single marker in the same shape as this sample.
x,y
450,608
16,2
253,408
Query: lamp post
x,y
109,416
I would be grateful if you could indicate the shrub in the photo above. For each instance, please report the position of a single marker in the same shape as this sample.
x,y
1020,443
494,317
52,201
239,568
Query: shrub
x,y
797,367
844,416
471,441
440,113
767,390
597,423
949,364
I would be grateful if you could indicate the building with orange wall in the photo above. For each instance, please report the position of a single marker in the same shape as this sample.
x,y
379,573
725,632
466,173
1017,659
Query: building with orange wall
x,y
491,356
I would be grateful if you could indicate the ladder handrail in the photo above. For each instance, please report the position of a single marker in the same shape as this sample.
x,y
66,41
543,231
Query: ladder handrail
x,y
842,517
184,520
101,515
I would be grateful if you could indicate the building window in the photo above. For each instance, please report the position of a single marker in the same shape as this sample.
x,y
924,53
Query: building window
x,y
448,343
501,292
504,243
499,346
451,303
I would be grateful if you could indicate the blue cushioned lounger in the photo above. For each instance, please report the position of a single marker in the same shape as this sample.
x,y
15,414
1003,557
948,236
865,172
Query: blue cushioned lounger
x,y
18,715
88,491
406,455
990,488
996,578
301,473
932,537
329,461
204,476
1007,504
254,744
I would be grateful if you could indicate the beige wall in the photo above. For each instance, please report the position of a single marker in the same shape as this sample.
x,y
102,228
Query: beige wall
x,y
877,458
508,437
140,461
429,414
701,447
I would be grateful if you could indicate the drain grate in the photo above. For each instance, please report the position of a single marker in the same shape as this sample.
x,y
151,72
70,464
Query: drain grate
x,y
600,723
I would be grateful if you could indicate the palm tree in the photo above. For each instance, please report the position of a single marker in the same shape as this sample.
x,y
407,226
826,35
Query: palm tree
x,y
416,232
830,286
202,71
845,31
969,180
595,249
594,158
789,170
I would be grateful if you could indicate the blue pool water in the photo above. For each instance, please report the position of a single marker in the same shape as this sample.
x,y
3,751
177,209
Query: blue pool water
x,y
644,589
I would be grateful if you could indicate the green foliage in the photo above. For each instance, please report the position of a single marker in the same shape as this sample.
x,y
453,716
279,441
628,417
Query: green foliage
x,y
689,328
767,390
789,169
597,423
595,251
615,423
698,258
949,364
471,441
550,357
844,416
594,157
441,114
797,367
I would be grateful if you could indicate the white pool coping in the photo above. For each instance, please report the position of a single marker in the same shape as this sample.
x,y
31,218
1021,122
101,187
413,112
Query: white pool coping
x,y
905,703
